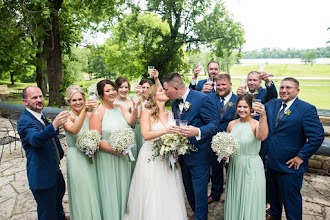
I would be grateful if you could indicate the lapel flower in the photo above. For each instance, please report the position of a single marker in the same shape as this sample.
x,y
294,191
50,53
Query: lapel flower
x,y
49,120
230,104
186,105
288,112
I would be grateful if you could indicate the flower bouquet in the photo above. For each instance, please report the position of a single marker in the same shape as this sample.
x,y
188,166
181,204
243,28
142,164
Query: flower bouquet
x,y
224,145
88,142
122,140
169,145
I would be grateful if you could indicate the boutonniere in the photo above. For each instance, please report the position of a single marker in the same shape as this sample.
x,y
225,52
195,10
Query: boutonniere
x,y
49,120
288,112
255,93
230,104
186,105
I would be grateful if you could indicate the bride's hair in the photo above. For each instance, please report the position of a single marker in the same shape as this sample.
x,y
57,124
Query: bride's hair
x,y
151,103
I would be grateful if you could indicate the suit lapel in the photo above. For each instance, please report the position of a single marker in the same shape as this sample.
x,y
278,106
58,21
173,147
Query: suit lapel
x,y
33,118
275,110
188,99
292,108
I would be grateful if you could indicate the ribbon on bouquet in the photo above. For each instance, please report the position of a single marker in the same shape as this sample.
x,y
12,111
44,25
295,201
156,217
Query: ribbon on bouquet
x,y
220,159
172,162
129,152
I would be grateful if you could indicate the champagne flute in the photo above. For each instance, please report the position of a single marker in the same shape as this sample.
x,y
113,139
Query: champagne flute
x,y
183,123
65,108
253,106
95,98
150,69
262,67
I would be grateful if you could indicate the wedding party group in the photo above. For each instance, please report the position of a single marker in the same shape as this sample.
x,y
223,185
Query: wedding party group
x,y
131,158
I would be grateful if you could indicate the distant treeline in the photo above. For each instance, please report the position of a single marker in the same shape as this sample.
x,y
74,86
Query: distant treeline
x,y
289,53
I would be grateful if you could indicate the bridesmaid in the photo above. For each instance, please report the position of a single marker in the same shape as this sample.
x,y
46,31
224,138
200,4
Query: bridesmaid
x,y
113,168
123,88
81,175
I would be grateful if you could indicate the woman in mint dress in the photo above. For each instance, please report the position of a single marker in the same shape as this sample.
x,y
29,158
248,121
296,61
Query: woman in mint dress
x,y
246,184
84,198
113,168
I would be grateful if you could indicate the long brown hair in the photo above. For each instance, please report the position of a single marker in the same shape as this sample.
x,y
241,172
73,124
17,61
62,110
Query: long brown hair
x,y
151,103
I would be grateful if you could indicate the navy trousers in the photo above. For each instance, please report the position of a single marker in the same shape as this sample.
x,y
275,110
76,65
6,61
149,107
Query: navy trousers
x,y
216,177
284,189
195,180
49,201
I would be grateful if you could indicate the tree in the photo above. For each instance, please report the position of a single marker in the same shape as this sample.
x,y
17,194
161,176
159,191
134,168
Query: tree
x,y
309,57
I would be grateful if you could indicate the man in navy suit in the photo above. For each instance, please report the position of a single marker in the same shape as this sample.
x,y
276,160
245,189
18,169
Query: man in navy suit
x,y
43,153
203,123
213,69
254,81
224,101
295,134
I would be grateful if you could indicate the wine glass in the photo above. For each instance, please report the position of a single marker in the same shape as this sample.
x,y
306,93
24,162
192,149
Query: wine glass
x,y
95,98
261,67
253,105
150,69
243,82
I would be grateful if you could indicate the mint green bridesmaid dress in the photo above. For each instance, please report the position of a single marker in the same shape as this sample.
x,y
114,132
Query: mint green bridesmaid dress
x,y
246,184
113,171
84,197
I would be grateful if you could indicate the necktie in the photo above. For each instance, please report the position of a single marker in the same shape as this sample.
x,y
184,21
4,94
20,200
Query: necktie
x,y
282,111
222,102
178,108
54,142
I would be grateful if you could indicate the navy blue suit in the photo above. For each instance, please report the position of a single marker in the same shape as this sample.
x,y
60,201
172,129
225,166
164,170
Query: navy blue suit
x,y
196,166
45,178
217,168
299,133
266,94
199,85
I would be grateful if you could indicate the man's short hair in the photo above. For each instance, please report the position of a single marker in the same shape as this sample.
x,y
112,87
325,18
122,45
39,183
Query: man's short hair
x,y
253,72
296,82
174,79
225,76
213,61
24,92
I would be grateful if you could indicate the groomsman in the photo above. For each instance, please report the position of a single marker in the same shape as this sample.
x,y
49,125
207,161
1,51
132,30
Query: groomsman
x,y
203,123
295,134
213,69
43,154
254,80
224,101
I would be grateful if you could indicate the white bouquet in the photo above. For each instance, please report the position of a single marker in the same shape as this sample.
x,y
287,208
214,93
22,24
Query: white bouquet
x,y
122,140
224,145
169,145
88,142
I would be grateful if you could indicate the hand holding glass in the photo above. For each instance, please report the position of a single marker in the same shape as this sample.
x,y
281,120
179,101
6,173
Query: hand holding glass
x,y
150,70
254,113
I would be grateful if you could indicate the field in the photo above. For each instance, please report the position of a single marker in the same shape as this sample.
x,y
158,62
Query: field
x,y
315,90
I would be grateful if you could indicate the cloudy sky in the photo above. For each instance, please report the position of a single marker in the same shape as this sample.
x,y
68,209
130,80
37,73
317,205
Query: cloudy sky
x,y
300,24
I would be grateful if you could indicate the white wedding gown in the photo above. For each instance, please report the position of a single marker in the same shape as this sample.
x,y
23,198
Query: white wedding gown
x,y
156,191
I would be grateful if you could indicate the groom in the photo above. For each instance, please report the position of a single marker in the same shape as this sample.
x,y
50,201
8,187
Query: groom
x,y
203,123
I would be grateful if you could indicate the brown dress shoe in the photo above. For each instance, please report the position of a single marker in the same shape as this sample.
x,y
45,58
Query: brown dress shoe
x,y
269,217
67,217
191,217
210,200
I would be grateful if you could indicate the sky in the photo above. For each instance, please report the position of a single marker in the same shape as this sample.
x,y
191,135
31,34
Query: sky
x,y
299,24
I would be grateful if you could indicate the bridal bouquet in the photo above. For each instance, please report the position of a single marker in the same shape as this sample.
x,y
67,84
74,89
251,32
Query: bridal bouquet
x,y
224,145
169,145
88,142
122,140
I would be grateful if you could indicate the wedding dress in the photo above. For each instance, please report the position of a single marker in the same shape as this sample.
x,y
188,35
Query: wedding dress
x,y
156,191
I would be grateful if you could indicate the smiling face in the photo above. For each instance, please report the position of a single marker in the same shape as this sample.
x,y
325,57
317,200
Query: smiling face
x,y
145,87
243,109
288,90
213,70
123,90
77,102
253,81
223,87
109,93
34,99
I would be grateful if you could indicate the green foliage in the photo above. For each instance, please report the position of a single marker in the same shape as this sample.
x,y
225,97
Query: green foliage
x,y
309,57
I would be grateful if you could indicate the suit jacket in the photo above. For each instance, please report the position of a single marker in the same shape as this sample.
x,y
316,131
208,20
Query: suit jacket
x,y
299,133
266,94
201,114
199,85
230,111
40,151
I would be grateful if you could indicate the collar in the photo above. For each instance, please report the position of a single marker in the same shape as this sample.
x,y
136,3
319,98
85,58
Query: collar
x,y
289,103
36,115
185,95
227,97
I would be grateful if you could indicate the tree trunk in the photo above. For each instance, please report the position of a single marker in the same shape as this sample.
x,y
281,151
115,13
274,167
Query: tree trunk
x,y
40,70
52,49
12,73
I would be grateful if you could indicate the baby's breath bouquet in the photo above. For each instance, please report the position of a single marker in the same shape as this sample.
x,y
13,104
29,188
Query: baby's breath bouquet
x,y
169,145
88,142
224,145
122,140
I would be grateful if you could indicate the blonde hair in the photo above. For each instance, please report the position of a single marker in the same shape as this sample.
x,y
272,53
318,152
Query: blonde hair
x,y
71,90
151,102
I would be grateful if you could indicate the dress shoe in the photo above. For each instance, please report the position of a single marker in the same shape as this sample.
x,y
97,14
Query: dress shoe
x,y
67,217
269,217
210,200
191,217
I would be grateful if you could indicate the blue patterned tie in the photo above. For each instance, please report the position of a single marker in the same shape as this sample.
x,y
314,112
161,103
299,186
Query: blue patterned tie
x,y
222,102
282,111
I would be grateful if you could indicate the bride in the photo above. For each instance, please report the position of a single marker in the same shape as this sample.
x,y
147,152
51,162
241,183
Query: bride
x,y
156,191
